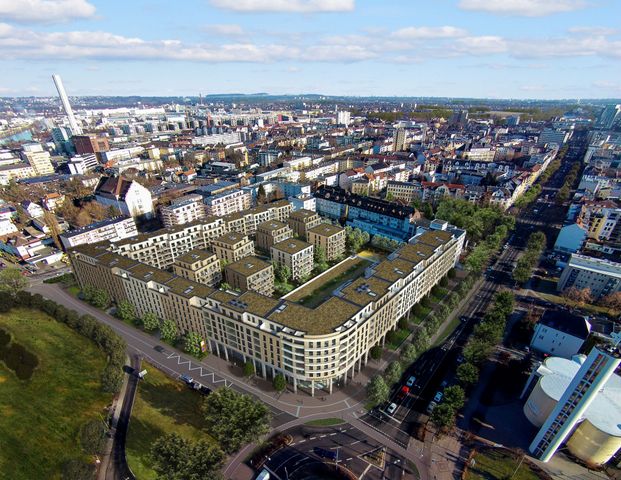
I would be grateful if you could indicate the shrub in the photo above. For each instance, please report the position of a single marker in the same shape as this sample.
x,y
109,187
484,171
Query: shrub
x,y
279,382
376,352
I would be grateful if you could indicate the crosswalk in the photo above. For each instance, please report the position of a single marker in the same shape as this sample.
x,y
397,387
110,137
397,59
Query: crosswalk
x,y
202,371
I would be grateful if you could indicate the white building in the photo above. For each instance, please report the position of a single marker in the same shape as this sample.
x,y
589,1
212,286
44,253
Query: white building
x,y
560,333
39,160
113,229
186,209
601,276
7,227
131,198
228,202
81,164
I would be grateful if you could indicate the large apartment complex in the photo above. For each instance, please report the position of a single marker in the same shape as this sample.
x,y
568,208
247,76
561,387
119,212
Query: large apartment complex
x,y
312,347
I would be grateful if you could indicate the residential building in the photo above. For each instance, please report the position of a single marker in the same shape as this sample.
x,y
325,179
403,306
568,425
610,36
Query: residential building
x,y
52,201
34,210
113,229
271,232
232,246
329,237
560,333
343,117
250,273
314,348
404,191
227,202
201,266
81,164
549,135
246,222
398,144
90,144
7,227
40,161
303,220
570,238
15,171
599,275
131,198
295,254
182,210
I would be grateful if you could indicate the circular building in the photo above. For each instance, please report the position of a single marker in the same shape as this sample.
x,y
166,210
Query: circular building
x,y
597,436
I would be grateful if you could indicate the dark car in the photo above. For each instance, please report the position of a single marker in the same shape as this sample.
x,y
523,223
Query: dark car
x,y
204,390
159,348
322,452
187,379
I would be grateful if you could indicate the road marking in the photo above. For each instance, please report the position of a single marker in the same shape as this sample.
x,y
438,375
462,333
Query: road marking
x,y
354,443
312,438
332,434
297,411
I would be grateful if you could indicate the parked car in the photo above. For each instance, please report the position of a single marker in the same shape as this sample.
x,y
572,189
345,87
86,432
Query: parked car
x,y
392,408
204,390
438,396
322,452
187,379
430,407
411,381
403,392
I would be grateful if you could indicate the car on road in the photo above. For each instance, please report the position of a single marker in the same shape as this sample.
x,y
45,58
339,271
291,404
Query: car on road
x,y
392,408
411,381
444,383
463,318
159,348
460,359
431,406
403,392
204,390
322,452
438,396
187,379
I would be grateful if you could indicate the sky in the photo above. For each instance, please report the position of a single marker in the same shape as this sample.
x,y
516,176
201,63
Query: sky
x,y
445,48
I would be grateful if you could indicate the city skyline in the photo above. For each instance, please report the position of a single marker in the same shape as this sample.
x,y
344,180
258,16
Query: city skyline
x,y
454,48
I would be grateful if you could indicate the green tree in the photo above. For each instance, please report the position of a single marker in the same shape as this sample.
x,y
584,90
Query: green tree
x,y
168,331
249,369
93,436
443,415
467,374
12,280
408,354
192,344
126,311
505,302
393,372
282,273
376,352
97,297
476,351
279,382
234,419
421,341
321,261
177,458
150,322
454,396
377,390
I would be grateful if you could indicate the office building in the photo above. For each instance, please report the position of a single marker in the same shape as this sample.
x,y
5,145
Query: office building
x,y
314,348
232,247
91,143
576,401
560,333
131,198
113,230
330,238
599,275
295,254
73,124
303,220
271,232
182,210
201,266
250,273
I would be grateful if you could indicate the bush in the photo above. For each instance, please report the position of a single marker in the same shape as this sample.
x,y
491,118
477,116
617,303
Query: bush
x,y
78,470
403,324
279,382
249,369
93,437
376,352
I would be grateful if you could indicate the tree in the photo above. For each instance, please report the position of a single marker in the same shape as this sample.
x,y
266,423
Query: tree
x,y
282,273
393,372
234,419
455,396
168,331
443,415
12,280
279,382
476,351
578,296
261,195
192,344
467,374
97,297
612,301
505,302
150,322
376,352
356,239
377,390
249,369
93,436
176,458
126,311
408,354
225,286
321,261
421,341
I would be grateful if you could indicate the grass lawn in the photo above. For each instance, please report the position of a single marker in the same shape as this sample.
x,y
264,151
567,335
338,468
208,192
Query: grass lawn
x,y
40,417
399,339
325,422
493,464
162,405
317,290
448,330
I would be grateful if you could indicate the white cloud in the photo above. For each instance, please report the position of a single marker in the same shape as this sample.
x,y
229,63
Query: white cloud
x,y
482,45
594,31
526,8
412,33
291,6
225,29
44,11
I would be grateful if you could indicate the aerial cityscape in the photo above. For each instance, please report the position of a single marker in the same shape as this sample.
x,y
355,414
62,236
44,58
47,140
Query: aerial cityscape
x,y
310,240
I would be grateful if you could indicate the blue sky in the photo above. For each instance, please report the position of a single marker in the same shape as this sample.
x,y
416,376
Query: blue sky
x,y
473,48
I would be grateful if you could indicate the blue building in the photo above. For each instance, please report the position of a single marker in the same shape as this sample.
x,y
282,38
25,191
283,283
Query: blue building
x,y
372,215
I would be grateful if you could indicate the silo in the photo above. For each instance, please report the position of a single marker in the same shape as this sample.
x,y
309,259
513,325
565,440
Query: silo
x,y
539,404
593,445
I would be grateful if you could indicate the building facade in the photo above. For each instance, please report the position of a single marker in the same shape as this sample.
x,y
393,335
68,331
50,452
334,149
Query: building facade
x,y
200,266
185,209
329,237
113,229
601,276
295,254
232,247
303,220
271,232
251,273
228,202
131,198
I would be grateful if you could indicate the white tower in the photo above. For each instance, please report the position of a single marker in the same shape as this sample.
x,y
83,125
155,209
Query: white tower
x,y
75,128
590,379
